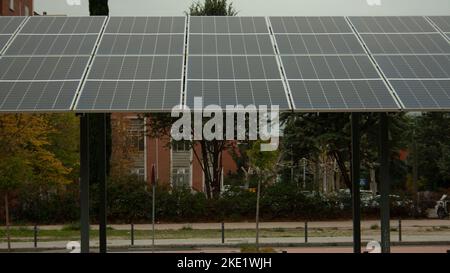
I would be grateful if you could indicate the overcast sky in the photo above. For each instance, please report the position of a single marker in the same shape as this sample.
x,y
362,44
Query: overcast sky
x,y
257,7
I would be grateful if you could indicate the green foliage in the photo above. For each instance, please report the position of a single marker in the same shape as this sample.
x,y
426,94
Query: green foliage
x,y
432,133
132,204
262,161
14,170
212,8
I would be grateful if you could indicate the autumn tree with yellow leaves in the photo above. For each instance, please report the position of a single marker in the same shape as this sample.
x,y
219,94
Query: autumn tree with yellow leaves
x,y
26,156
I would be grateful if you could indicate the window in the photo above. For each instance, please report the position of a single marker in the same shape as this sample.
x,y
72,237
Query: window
x,y
140,172
181,178
181,146
137,136
11,5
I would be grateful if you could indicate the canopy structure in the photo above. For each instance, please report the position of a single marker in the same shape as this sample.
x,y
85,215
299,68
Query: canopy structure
x,y
152,64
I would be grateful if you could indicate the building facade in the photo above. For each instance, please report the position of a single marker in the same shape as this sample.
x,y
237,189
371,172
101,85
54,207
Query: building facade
x,y
16,7
175,164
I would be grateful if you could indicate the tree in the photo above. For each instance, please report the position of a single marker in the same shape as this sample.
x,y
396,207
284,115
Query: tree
x,y
207,153
212,8
264,164
308,135
24,155
432,134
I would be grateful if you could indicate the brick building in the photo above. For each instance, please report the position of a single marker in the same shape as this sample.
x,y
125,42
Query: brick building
x,y
16,7
176,165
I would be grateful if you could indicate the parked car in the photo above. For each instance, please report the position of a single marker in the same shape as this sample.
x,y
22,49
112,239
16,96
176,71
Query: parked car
x,y
443,207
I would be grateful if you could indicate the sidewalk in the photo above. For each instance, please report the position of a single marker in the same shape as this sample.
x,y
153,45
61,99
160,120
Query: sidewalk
x,y
274,242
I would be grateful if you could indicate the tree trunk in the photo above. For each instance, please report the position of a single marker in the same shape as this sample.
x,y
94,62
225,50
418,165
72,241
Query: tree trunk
x,y
8,235
343,169
258,194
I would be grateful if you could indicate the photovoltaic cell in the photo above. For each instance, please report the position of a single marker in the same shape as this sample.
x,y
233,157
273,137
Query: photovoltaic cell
x,y
236,44
329,67
63,25
130,96
233,68
136,68
423,95
9,24
3,41
391,24
415,66
234,93
318,44
37,96
52,45
42,68
141,44
442,22
146,25
341,95
418,43
227,24
310,25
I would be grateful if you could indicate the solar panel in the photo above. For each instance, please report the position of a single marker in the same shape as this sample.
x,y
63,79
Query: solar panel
x,y
146,25
326,66
138,66
125,44
416,64
442,22
329,67
419,43
29,96
234,93
421,94
232,61
236,44
9,24
391,24
226,24
311,25
318,44
52,45
3,41
141,96
63,25
233,68
341,95
43,66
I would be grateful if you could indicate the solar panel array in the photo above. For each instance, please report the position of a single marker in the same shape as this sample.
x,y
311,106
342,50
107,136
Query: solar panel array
x,y
138,66
43,66
326,66
232,61
413,55
145,64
